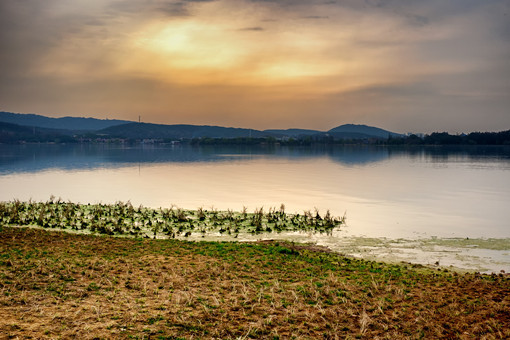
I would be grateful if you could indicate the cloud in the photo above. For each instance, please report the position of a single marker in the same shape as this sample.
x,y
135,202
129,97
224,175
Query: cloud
x,y
318,17
417,20
381,60
393,90
256,28
171,8
178,9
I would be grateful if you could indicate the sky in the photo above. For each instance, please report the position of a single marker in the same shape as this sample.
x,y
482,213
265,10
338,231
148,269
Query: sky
x,y
402,65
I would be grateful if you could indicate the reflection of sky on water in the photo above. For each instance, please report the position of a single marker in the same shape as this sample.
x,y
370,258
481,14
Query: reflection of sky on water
x,y
34,158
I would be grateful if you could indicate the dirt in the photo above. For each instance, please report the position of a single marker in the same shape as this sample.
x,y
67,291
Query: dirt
x,y
60,285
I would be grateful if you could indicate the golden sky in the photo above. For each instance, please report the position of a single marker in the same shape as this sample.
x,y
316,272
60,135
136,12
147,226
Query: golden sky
x,y
403,65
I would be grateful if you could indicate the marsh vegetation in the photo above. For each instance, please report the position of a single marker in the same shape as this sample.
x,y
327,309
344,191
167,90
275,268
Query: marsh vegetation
x,y
124,219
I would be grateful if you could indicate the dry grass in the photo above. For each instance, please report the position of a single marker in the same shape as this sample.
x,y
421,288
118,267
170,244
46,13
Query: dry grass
x,y
58,285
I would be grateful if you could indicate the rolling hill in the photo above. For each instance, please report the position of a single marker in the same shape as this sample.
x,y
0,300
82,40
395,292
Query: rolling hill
x,y
23,128
294,133
64,123
10,133
180,131
353,131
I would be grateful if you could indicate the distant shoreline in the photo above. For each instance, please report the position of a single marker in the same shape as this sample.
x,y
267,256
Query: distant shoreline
x,y
29,128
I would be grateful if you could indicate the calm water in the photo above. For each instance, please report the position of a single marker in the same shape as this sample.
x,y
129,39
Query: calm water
x,y
391,193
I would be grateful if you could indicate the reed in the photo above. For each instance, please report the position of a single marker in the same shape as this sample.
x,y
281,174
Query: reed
x,y
123,219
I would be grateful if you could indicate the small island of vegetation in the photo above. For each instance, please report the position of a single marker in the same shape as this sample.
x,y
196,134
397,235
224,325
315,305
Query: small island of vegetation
x,y
124,219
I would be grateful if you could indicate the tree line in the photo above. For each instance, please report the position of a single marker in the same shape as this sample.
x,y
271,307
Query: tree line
x,y
12,134
436,138
444,138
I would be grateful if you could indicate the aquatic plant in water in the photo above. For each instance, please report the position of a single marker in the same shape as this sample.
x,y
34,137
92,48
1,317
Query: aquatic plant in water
x,y
122,218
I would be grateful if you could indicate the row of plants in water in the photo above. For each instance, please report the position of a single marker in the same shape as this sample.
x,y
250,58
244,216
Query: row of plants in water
x,y
122,218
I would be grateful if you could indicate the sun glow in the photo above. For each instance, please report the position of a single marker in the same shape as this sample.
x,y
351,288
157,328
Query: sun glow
x,y
193,52
192,45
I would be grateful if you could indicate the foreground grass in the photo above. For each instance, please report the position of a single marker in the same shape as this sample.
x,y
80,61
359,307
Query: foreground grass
x,y
60,285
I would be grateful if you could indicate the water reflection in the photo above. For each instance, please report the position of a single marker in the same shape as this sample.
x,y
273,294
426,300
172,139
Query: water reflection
x,y
34,158
453,154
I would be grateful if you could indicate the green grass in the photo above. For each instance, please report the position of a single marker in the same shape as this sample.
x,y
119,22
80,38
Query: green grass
x,y
62,285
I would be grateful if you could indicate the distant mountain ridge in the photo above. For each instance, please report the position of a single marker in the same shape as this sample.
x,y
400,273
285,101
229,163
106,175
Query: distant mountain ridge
x,y
361,131
132,130
183,131
14,132
294,133
63,123
178,131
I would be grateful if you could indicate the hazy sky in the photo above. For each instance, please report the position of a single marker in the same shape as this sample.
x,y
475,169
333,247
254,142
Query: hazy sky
x,y
403,65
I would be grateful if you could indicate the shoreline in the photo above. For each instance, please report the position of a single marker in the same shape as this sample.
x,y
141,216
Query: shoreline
x,y
458,254
415,252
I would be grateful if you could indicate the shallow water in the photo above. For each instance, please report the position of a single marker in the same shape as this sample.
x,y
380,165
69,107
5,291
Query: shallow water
x,y
386,193
476,256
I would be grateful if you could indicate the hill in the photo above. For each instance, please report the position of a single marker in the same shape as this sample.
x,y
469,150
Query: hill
x,y
11,133
353,131
64,123
160,131
294,133
92,127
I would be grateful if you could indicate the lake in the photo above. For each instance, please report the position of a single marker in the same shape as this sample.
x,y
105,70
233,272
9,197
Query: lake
x,y
426,204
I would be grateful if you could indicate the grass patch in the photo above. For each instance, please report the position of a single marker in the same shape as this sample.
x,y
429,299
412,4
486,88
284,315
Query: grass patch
x,y
62,285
